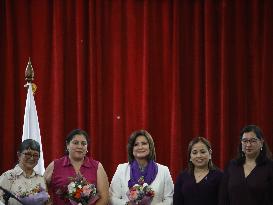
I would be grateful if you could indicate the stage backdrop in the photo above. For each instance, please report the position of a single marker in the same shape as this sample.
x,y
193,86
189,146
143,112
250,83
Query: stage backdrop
x,y
179,69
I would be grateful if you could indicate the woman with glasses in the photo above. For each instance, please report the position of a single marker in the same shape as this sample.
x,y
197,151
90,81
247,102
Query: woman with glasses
x,y
249,178
22,179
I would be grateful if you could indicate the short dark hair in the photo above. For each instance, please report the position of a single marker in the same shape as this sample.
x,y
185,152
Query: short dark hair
x,y
72,134
131,143
194,141
265,153
29,144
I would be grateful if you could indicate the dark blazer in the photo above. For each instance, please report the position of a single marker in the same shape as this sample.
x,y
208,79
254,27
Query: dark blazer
x,y
255,189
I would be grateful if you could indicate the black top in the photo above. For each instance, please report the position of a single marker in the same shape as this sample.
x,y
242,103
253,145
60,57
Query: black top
x,y
255,189
205,192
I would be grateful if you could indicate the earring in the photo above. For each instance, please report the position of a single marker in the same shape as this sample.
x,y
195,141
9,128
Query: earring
x,y
242,153
86,151
261,148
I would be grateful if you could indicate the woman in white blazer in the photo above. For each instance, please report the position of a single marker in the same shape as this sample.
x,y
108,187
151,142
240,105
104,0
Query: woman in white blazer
x,y
141,156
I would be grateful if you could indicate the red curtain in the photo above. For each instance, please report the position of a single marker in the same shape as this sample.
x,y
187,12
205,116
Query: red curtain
x,y
178,68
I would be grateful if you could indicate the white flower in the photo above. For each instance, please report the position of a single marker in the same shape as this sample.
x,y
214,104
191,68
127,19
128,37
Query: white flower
x,y
145,184
72,184
71,187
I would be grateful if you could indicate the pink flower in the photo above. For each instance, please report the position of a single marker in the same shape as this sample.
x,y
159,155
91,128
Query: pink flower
x,y
133,194
141,194
86,190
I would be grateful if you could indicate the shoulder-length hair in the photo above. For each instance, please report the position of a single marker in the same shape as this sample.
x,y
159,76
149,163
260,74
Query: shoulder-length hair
x,y
131,143
194,141
265,153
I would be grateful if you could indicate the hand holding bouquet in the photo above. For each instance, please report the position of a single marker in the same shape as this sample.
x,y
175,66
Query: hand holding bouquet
x,y
36,196
140,193
80,192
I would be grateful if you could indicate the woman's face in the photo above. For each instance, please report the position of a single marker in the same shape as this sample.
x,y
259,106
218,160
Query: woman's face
x,y
28,159
200,155
141,149
77,147
251,145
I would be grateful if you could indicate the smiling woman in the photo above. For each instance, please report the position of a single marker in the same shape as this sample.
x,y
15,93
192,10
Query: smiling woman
x,y
142,180
23,179
248,179
76,164
200,182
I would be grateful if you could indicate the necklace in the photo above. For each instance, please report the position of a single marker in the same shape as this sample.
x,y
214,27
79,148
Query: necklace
x,y
141,169
200,175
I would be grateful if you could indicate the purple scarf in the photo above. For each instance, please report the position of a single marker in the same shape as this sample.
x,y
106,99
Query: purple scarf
x,y
149,173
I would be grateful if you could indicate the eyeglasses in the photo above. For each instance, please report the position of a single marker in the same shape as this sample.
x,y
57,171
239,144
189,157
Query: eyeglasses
x,y
250,141
29,155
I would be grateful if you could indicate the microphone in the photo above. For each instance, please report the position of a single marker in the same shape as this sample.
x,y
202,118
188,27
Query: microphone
x,y
8,194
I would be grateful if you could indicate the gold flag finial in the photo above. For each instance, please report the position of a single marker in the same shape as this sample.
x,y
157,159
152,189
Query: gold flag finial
x,y
29,76
29,73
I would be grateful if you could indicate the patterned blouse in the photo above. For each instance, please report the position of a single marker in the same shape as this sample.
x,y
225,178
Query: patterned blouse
x,y
16,181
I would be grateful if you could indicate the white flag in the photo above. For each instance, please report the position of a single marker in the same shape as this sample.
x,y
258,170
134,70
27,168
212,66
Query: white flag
x,y
31,129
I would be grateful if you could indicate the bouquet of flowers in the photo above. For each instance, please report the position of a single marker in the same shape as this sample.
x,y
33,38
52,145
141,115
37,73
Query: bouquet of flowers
x,y
79,191
36,196
141,193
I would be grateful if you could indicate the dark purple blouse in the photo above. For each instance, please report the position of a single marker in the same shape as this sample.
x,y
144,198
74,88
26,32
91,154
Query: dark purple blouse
x,y
205,192
255,189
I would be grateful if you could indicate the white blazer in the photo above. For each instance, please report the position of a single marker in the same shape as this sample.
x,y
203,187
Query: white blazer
x,y
162,185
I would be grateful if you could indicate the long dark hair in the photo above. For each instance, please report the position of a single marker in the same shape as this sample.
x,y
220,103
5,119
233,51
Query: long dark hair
x,y
265,153
194,141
